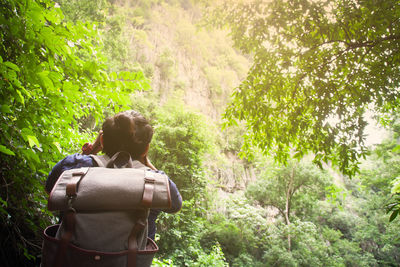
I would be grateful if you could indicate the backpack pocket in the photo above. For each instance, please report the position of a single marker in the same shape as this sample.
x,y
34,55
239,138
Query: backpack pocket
x,y
80,257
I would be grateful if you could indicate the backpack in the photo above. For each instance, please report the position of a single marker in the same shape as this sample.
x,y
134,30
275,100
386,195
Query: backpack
x,y
105,212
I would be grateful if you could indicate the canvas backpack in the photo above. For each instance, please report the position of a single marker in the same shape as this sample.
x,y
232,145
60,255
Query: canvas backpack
x,y
105,212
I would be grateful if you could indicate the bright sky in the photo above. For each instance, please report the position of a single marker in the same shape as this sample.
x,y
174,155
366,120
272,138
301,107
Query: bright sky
x,y
375,133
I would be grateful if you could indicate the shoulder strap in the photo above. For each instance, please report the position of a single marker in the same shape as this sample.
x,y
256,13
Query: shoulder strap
x,y
119,160
138,165
101,160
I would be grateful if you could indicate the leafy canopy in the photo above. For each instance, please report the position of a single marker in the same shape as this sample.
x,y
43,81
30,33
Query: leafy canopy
x,y
291,189
52,80
318,66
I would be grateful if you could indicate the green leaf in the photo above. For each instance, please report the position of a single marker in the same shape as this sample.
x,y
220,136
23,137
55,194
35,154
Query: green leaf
x,y
57,145
3,204
5,109
7,151
29,136
32,140
31,157
20,97
394,215
11,65
396,148
47,84
55,76
396,186
35,15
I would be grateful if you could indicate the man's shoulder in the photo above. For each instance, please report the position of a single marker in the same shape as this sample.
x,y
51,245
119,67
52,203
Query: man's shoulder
x,y
78,160
74,161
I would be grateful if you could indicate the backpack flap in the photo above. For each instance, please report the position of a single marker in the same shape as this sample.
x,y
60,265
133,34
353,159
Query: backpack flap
x,y
105,189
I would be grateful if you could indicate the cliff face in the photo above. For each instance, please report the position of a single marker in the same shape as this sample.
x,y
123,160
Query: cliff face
x,y
193,63
182,58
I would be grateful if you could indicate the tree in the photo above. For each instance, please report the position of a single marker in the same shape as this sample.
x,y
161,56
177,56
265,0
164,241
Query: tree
x,y
388,167
180,141
51,79
287,189
317,67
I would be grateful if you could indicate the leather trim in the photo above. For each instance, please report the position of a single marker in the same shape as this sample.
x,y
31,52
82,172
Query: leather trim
x,y
133,242
72,187
150,243
49,207
148,190
69,219
168,193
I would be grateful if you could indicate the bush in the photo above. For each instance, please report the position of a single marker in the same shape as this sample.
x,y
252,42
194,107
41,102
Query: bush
x,y
52,80
180,141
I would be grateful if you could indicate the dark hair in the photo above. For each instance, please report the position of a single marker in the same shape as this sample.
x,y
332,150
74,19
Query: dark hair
x,y
126,131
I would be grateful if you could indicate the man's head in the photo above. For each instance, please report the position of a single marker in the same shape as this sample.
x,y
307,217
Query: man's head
x,y
127,131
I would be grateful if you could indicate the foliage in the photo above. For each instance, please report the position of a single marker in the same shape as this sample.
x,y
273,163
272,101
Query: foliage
x,y
394,206
354,232
214,258
51,80
85,10
371,228
180,237
389,171
179,144
180,141
110,21
240,229
291,189
260,241
182,52
362,224
318,65
229,236
373,232
166,65
163,263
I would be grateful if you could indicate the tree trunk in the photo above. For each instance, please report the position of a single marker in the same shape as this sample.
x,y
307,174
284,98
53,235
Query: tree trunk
x,y
287,206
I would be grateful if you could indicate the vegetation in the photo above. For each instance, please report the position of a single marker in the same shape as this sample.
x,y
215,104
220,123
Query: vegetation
x,y
65,66
52,82
318,66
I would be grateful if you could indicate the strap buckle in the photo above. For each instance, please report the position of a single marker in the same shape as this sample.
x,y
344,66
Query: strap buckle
x,y
70,202
149,180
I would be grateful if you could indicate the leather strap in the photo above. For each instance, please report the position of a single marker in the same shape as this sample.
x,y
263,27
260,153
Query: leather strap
x,y
133,246
69,217
72,187
148,191
141,223
69,222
